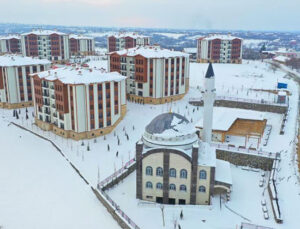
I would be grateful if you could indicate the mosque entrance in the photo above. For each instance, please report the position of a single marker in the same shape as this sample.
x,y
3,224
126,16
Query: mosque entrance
x,y
159,200
181,202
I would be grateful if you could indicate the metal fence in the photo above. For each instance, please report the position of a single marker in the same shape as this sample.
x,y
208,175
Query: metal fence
x,y
116,174
121,213
244,150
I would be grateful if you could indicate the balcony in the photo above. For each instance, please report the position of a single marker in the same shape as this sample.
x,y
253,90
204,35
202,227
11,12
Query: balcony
x,y
46,103
47,112
46,93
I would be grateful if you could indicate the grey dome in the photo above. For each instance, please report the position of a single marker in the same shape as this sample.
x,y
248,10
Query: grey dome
x,y
164,122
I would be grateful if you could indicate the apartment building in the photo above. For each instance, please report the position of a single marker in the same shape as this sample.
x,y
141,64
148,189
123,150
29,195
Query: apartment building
x,y
46,44
10,44
15,86
154,75
81,45
122,41
219,49
79,103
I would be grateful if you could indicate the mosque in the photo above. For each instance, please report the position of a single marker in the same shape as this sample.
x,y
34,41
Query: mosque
x,y
174,166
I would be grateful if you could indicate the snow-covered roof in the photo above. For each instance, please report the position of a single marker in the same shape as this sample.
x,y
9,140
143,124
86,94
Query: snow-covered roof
x,y
72,75
190,50
281,58
128,34
282,93
224,118
220,36
80,37
10,60
223,172
10,36
206,154
170,125
41,32
151,52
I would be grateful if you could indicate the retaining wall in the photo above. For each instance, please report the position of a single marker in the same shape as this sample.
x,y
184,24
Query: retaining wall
x,y
245,105
242,159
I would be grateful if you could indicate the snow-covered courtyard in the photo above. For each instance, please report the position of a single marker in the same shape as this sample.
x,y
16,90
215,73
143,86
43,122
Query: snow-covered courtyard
x,y
36,181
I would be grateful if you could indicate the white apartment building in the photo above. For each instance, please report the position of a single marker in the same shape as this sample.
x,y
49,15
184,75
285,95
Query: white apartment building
x,y
77,102
15,86
126,40
10,44
81,45
219,49
47,44
154,75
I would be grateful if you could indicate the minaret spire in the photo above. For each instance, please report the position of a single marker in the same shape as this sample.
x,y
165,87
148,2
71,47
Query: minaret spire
x,y
209,95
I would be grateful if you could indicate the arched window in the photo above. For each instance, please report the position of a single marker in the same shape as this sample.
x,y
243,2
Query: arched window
x,y
159,185
202,188
149,184
149,171
172,173
183,173
202,175
172,187
159,171
182,188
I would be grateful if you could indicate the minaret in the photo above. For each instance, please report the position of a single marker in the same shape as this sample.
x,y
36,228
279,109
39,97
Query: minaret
x,y
209,95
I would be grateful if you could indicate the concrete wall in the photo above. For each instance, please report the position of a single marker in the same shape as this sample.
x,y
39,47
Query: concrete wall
x,y
244,105
243,159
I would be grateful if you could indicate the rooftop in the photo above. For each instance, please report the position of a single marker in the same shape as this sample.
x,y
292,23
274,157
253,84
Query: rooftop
x,y
10,36
41,32
281,58
224,118
223,172
190,50
77,75
128,34
80,37
151,52
170,125
10,60
220,36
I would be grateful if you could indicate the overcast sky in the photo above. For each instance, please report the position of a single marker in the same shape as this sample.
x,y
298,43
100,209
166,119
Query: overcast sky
x,y
189,14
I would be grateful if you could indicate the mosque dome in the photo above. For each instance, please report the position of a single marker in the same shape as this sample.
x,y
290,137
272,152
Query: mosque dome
x,y
170,129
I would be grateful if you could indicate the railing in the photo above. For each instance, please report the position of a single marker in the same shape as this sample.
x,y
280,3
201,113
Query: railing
x,y
114,204
257,101
116,174
118,210
244,150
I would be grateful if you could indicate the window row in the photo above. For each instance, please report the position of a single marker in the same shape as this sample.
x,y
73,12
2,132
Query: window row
x,y
182,187
172,172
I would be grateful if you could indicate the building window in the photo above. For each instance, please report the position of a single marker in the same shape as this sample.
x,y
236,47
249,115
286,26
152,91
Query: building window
x,y
183,173
182,188
172,172
202,188
159,171
202,175
173,187
149,184
149,171
159,185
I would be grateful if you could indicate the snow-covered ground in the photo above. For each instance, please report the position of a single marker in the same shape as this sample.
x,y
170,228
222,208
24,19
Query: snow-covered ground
x,y
231,80
39,189
245,200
